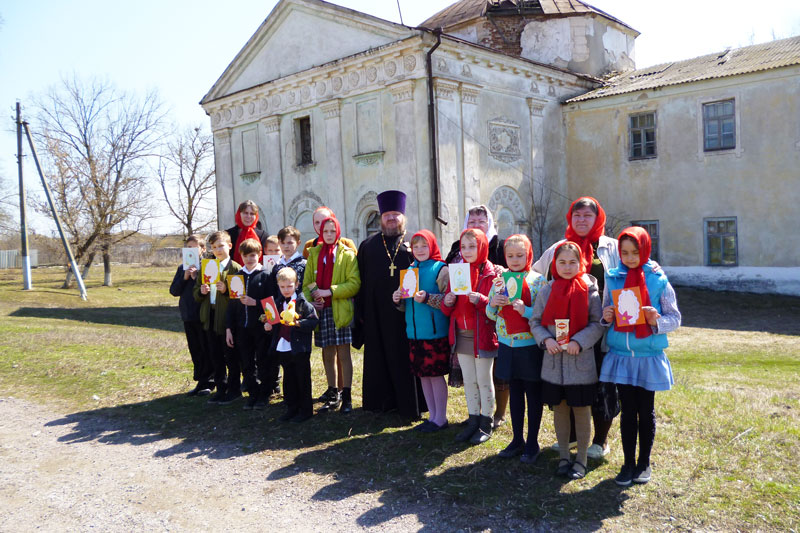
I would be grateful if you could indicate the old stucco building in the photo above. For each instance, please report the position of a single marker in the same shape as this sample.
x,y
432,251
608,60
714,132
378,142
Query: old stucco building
x,y
326,105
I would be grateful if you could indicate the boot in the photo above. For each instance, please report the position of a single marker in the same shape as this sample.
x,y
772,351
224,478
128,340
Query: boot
x,y
334,403
484,430
347,401
472,427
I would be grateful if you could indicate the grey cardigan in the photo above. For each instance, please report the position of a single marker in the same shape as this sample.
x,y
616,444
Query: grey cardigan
x,y
564,369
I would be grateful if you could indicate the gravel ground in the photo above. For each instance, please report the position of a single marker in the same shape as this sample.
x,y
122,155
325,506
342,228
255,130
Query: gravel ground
x,y
56,477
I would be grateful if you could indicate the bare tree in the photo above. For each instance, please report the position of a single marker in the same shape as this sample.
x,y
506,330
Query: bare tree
x,y
8,224
186,174
543,204
96,140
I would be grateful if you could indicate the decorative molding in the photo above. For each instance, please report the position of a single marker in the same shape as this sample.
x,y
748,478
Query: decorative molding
x,y
337,83
223,136
305,93
368,160
271,124
250,178
466,71
321,88
470,93
445,89
505,196
536,105
403,91
331,109
410,63
372,74
390,68
504,140
534,87
366,204
441,65
353,78
305,201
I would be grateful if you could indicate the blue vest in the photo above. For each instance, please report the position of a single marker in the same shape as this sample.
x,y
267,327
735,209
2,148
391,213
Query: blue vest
x,y
627,343
423,322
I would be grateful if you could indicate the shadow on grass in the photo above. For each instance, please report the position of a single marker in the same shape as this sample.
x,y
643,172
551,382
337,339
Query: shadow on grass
x,y
155,317
364,453
769,313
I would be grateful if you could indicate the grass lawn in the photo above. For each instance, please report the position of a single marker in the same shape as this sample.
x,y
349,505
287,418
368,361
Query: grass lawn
x,y
724,457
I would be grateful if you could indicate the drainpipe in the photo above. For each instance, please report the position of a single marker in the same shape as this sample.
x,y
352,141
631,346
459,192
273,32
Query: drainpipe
x,y
432,125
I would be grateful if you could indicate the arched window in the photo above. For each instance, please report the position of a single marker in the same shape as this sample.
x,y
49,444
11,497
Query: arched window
x,y
373,224
305,223
505,223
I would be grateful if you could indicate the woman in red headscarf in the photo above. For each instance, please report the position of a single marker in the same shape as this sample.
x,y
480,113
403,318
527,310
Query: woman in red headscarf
x,y
420,295
473,336
246,228
566,323
331,281
586,222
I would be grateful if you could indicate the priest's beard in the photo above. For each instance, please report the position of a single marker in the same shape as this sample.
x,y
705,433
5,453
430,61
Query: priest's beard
x,y
394,230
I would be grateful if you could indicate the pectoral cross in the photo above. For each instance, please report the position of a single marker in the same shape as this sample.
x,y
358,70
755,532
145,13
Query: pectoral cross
x,y
392,268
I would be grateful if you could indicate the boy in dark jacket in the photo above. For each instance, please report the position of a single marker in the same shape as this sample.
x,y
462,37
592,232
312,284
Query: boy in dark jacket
x,y
182,286
291,344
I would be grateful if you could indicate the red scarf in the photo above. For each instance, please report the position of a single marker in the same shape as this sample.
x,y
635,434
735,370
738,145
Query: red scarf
x,y
569,298
635,277
585,243
325,260
516,323
433,246
246,232
465,311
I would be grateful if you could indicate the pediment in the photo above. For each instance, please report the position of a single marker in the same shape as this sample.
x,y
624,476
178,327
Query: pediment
x,y
299,35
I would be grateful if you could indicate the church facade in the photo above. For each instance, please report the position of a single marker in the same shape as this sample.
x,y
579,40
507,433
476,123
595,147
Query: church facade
x,y
480,104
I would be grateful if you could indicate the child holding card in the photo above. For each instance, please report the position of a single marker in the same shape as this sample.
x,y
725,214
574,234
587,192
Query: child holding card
x,y
569,374
473,336
636,361
519,359
244,332
291,344
183,286
426,326
213,300
336,280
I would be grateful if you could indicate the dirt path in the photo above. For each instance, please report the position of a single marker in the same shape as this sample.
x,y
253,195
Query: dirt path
x,y
53,477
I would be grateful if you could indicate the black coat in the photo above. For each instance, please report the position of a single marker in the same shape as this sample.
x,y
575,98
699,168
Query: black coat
x,y
301,333
239,315
496,254
190,309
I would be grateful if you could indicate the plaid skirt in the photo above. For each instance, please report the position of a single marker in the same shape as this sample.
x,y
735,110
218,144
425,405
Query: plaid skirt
x,y
327,334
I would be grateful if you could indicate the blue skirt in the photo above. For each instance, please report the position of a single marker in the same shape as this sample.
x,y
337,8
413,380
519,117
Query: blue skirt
x,y
651,373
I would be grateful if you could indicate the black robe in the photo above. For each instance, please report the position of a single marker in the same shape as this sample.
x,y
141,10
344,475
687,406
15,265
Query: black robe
x,y
388,382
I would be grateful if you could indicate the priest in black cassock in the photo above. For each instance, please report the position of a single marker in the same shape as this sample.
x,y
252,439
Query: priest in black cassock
x,y
387,380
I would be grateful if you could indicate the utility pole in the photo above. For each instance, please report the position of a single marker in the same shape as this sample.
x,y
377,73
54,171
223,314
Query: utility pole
x,y
23,222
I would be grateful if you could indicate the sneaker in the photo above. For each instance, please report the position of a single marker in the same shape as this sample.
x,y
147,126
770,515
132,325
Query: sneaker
x,y
596,451
625,476
573,444
251,403
327,396
512,450
216,398
230,397
642,475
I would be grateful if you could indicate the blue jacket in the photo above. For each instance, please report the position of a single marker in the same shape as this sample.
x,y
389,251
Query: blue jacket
x,y
627,343
423,322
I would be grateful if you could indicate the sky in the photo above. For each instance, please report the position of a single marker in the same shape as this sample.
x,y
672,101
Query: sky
x,y
181,47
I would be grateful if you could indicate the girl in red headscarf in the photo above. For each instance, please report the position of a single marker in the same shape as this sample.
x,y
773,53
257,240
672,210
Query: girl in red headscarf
x,y
566,323
330,282
246,228
474,336
426,326
636,360
519,359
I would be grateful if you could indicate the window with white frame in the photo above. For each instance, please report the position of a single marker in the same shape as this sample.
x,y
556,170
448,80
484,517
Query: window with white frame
x,y
652,228
642,135
719,125
721,241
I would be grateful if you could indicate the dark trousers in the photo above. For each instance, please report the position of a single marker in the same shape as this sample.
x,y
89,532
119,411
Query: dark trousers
x,y
638,417
252,346
197,341
520,390
227,371
297,382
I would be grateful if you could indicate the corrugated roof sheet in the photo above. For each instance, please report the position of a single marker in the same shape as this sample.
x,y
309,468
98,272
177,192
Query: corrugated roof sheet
x,y
465,10
731,62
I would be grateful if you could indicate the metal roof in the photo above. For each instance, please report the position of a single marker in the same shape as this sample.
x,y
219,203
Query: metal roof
x,y
466,10
730,62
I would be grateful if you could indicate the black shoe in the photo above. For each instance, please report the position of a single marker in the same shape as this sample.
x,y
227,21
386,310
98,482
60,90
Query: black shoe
x,y
347,401
512,450
578,470
530,455
216,398
433,427
642,475
563,467
472,426
194,391
327,396
625,476
301,417
288,415
230,397
332,404
251,403
484,432
423,426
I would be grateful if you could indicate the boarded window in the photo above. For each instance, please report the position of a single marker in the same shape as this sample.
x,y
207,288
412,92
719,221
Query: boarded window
x,y
250,162
302,133
719,126
721,241
643,135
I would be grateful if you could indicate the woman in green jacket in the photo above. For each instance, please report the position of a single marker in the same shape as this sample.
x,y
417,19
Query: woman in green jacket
x,y
331,281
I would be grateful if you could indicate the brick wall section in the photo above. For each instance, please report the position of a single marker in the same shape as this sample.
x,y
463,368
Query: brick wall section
x,y
504,34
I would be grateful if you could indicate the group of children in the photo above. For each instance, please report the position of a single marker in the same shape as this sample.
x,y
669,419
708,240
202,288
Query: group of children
x,y
541,341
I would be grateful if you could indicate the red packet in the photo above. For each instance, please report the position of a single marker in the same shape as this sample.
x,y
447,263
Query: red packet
x,y
628,306
270,310
562,332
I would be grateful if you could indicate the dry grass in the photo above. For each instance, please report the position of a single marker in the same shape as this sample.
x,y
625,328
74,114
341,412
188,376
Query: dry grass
x,y
727,437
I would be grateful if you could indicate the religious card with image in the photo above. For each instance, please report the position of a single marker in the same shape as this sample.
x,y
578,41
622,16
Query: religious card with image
x,y
270,261
210,270
270,310
628,306
191,258
514,283
409,282
459,278
562,332
236,288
